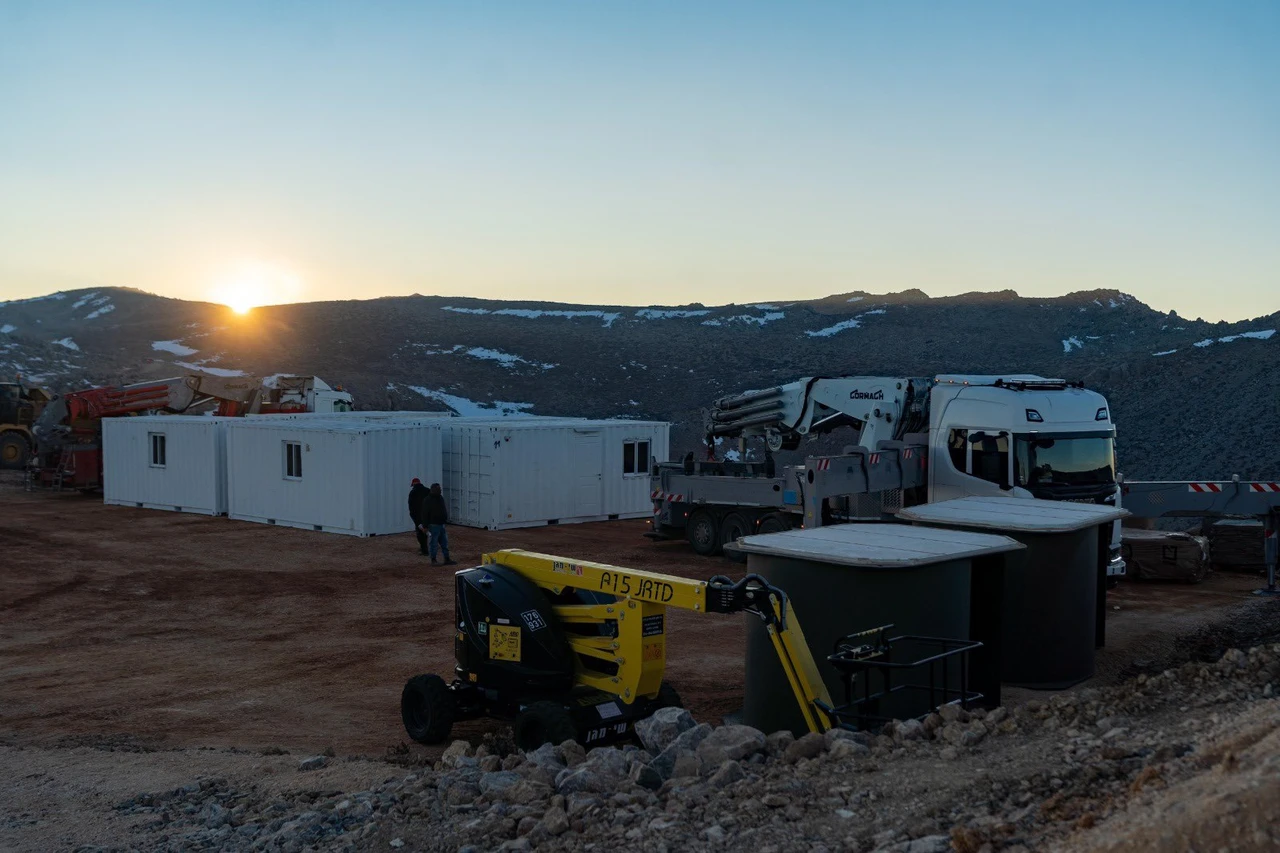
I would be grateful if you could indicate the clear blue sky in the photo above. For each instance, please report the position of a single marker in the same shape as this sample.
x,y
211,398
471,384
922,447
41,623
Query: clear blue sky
x,y
642,152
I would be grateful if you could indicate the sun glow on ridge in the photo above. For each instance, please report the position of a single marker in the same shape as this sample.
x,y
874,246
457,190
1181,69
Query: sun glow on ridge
x,y
253,284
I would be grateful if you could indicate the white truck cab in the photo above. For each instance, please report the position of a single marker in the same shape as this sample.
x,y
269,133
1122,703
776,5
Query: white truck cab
x,y
1024,436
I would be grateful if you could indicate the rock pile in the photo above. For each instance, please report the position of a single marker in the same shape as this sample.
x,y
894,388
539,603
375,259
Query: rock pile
x,y
964,780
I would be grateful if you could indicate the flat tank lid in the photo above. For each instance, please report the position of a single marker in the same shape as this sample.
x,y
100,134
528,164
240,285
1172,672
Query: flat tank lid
x,y
1024,515
878,546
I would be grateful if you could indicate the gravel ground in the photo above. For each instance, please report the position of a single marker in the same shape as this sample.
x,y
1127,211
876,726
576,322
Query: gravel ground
x,y
1186,758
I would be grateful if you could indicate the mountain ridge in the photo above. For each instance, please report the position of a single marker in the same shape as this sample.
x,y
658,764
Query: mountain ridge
x,y
1190,397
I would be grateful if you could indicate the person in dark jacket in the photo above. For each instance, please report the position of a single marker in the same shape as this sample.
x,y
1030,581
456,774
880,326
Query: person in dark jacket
x,y
435,515
417,494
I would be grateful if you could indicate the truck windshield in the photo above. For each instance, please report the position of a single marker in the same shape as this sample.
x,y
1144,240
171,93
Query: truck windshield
x,y
1064,460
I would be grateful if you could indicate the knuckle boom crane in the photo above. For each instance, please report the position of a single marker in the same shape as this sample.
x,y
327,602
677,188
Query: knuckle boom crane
x,y
918,440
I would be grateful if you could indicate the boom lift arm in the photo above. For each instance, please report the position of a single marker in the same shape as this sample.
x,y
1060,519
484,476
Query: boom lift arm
x,y
638,643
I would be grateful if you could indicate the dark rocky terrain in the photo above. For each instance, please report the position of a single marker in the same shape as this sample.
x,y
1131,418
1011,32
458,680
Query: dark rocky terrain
x,y
1188,403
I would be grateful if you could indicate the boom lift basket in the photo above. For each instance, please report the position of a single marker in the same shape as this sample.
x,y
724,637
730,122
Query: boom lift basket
x,y
893,663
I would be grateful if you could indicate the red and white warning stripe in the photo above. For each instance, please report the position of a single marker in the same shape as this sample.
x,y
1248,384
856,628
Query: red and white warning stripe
x,y
1204,487
875,458
823,465
907,453
656,495
1264,487
675,498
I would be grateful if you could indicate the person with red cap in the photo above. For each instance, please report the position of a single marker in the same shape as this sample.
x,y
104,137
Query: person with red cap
x,y
417,495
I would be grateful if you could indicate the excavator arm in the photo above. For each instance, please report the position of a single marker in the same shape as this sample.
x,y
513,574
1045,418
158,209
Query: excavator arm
x,y
634,642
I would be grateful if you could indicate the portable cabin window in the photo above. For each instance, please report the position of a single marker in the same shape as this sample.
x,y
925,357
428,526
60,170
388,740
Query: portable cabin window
x,y
635,457
293,460
158,455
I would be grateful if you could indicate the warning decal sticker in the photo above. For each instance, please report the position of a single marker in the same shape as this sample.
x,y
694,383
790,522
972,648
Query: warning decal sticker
x,y
504,643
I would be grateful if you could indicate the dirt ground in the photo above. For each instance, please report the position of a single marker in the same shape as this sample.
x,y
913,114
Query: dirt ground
x,y
179,630
185,630
141,649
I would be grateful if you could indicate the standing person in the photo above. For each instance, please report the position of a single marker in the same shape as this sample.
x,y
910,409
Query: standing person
x,y
435,515
417,495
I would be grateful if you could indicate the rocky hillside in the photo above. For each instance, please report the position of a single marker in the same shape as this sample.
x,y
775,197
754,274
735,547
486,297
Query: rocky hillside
x,y
1192,399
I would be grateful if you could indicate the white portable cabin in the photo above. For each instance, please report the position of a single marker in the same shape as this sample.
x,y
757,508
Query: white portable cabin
x,y
338,476
354,415
173,462
520,472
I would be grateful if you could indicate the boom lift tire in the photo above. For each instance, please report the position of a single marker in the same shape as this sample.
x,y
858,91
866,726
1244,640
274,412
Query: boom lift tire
x,y
733,527
14,450
774,522
426,707
543,722
703,533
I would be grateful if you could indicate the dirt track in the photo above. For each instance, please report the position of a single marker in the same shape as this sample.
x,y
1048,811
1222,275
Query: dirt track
x,y
179,630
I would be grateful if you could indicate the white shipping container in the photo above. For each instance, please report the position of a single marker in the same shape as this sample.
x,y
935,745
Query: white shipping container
x,y
347,477
172,462
522,472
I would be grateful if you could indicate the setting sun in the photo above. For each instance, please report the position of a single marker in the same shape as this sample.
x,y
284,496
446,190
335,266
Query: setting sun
x,y
253,284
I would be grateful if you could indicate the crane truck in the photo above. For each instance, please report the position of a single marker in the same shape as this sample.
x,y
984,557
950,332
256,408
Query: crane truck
x,y
919,440
68,432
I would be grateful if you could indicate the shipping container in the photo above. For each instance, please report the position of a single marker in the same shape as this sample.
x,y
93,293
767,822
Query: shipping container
x,y
172,462
348,476
520,472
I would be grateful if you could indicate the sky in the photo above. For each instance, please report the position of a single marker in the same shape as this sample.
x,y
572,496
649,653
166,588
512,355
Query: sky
x,y
642,153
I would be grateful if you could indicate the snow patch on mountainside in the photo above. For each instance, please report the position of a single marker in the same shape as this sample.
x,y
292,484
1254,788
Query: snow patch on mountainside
x,y
69,344
749,319
1261,335
1071,343
7,328
842,326
1166,352
214,371
470,408
29,300
535,313
174,347
664,314
96,313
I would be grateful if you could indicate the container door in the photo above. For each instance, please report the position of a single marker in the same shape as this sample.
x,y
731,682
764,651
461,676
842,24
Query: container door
x,y
588,456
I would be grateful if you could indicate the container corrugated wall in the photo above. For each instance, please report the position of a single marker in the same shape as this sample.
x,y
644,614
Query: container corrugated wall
x,y
188,474
521,473
354,477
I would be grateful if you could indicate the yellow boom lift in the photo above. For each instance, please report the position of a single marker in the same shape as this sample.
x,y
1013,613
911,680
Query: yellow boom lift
x,y
572,650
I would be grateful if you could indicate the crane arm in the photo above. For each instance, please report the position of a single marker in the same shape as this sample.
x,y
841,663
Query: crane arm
x,y
636,645
878,407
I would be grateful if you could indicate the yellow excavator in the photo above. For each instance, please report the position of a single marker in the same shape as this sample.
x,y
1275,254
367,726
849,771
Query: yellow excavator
x,y
20,407
572,650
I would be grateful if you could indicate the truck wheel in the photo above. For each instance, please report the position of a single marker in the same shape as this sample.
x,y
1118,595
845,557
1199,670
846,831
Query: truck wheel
x,y
543,722
774,523
426,707
14,450
668,697
733,528
703,533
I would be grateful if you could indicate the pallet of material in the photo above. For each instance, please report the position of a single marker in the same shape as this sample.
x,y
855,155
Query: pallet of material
x,y
1236,545
1154,555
